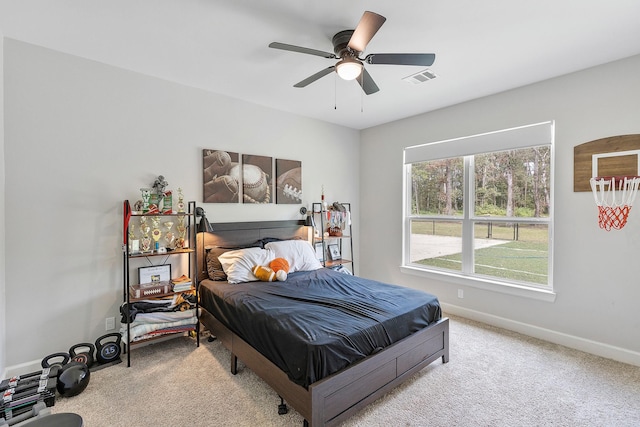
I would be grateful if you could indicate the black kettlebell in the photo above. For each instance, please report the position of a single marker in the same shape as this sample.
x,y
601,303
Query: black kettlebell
x,y
86,356
109,351
48,363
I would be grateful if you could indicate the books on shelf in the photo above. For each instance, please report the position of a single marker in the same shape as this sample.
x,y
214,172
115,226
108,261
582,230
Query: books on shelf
x,y
181,284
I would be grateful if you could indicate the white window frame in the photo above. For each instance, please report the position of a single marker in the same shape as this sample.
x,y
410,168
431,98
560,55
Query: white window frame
x,y
509,139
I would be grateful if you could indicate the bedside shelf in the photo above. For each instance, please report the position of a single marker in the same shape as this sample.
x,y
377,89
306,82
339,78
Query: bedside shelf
x,y
344,243
161,290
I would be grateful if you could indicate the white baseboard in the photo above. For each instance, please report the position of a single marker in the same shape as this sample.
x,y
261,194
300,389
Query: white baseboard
x,y
36,365
599,349
582,344
22,369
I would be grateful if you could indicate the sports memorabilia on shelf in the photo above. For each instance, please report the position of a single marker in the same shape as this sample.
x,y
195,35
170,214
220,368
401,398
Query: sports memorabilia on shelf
x,y
180,201
146,196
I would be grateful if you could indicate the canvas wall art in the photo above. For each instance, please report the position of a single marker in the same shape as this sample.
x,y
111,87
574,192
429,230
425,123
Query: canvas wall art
x,y
221,177
288,181
256,178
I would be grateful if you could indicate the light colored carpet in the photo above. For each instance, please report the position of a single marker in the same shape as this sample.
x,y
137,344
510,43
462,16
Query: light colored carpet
x,y
494,378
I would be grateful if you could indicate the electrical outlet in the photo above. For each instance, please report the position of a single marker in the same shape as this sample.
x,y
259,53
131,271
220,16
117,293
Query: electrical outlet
x,y
110,323
460,293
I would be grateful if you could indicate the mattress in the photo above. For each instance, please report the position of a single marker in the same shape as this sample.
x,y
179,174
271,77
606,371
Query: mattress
x,y
318,322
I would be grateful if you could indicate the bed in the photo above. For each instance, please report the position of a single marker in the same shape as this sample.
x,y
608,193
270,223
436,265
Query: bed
x,y
360,342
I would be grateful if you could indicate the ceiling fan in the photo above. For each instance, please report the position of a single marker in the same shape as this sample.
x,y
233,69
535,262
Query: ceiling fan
x,y
348,45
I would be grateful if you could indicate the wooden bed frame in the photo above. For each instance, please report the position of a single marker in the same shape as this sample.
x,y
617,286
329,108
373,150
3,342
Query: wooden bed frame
x,y
335,398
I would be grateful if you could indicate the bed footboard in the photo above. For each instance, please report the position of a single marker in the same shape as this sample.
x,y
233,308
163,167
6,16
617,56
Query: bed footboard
x,y
335,398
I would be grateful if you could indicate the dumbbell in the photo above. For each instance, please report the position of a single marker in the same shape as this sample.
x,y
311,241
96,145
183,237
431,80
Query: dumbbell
x,y
85,356
108,348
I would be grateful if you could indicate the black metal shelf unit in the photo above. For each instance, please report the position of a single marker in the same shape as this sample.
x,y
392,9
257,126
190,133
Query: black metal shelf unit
x,y
186,219
332,224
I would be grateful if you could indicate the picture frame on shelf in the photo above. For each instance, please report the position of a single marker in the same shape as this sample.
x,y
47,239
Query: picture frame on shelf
x,y
334,252
154,274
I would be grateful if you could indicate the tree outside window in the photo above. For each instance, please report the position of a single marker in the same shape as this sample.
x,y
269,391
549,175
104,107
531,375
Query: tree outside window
x,y
484,215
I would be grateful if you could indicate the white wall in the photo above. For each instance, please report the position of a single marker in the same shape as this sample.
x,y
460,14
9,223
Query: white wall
x,y
80,138
595,272
3,347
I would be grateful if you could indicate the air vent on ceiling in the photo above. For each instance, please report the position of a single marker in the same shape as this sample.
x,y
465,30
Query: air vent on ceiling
x,y
421,77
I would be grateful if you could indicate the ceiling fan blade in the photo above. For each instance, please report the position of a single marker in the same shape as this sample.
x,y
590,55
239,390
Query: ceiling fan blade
x,y
424,59
368,26
315,77
292,48
366,82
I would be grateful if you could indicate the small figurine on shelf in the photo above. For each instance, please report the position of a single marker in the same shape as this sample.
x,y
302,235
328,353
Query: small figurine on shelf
x,y
324,202
137,206
159,185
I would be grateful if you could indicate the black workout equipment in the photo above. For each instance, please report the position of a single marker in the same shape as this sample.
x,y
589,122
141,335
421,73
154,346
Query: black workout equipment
x,y
32,413
73,379
108,348
65,419
21,393
85,356
48,363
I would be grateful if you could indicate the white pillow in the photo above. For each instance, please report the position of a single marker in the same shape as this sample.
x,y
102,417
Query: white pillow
x,y
238,264
299,254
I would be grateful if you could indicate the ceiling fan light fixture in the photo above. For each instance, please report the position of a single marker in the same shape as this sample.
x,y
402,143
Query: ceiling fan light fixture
x,y
349,68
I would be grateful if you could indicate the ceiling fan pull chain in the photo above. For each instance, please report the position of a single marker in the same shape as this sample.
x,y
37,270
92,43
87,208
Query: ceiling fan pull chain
x,y
335,92
362,93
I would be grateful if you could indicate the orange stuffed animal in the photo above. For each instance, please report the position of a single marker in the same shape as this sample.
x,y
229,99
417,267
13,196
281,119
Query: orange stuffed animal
x,y
264,274
281,267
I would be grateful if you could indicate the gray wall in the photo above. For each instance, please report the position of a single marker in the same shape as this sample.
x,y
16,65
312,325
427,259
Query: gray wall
x,y
3,348
595,272
80,137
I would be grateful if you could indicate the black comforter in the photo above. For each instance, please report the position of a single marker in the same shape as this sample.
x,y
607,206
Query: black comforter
x,y
318,322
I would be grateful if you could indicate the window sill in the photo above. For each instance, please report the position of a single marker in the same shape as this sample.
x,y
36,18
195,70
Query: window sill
x,y
485,284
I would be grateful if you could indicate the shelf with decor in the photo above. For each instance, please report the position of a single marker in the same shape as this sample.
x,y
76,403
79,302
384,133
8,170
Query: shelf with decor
x,y
158,302
334,245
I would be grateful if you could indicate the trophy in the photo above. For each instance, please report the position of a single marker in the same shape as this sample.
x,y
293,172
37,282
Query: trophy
x,y
155,232
169,237
182,232
134,245
180,201
145,241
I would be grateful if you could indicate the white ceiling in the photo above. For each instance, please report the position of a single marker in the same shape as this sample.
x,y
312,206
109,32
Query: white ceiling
x,y
481,47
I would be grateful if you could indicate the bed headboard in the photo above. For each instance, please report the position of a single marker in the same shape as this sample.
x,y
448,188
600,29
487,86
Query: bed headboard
x,y
231,234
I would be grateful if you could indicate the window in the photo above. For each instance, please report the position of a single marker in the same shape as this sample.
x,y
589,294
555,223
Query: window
x,y
480,207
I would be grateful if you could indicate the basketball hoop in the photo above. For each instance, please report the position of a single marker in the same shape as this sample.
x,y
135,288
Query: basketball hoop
x,y
614,196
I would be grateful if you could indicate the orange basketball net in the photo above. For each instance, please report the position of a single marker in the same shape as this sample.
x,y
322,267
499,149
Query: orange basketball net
x,y
614,196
